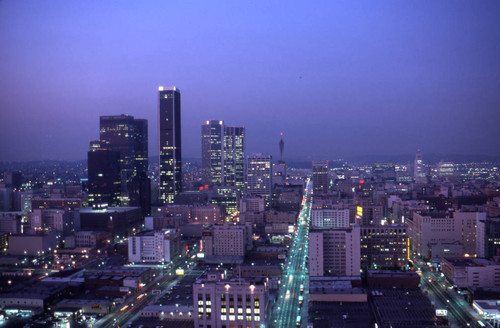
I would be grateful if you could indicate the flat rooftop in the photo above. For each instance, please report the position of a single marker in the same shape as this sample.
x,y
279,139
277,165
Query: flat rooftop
x,y
340,314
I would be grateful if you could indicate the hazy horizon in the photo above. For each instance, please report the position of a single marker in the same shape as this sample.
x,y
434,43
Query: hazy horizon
x,y
338,78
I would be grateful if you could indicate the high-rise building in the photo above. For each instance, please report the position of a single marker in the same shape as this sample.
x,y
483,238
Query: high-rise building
x,y
129,137
104,178
259,177
212,152
169,135
234,157
320,177
223,155
418,168
116,133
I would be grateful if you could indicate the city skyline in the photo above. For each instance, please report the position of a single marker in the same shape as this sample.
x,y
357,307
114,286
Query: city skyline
x,y
364,79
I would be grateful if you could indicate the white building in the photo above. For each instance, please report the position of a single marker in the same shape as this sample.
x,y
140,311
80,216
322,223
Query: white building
x,y
330,218
154,246
335,252
428,232
229,303
471,272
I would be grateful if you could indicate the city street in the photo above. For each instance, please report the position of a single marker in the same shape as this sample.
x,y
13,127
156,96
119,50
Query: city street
x,y
460,313
131,308
290,309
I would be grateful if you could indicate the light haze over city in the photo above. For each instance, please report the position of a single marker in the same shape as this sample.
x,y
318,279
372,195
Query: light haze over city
x,y
338,78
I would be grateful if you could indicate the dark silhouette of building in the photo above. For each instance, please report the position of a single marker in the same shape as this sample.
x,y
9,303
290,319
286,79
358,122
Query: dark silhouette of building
x,y
13,179
104,178
129,137
169,144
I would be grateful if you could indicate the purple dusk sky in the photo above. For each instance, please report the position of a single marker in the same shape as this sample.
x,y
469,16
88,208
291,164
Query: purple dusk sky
x,y
340,78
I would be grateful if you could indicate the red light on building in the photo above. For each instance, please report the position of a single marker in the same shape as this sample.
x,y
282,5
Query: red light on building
x,y
206,186
361,181
201,188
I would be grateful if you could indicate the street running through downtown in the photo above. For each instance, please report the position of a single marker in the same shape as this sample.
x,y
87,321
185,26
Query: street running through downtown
x,y
290,309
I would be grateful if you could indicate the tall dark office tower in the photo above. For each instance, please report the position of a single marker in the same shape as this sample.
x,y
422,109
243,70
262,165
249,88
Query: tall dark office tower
x,y
234,157
320,177
129,137
141,157
140,186
104,177
212,152
116,133
169,135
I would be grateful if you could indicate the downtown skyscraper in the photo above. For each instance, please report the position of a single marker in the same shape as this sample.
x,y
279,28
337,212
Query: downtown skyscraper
x,y
223,155
169,143
129,137
104,176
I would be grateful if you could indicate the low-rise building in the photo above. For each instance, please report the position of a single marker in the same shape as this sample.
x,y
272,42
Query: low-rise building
x,y
33,244
222,302
471,272
154,246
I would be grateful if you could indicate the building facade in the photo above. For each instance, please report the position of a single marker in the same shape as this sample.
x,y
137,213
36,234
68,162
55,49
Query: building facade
x,y
384,247
334,252
223,155
169,140
224,303
330,218
259,177
154,246
320,177
104,178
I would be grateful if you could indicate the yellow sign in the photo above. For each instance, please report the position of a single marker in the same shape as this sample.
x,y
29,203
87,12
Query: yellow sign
x,y
359,211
